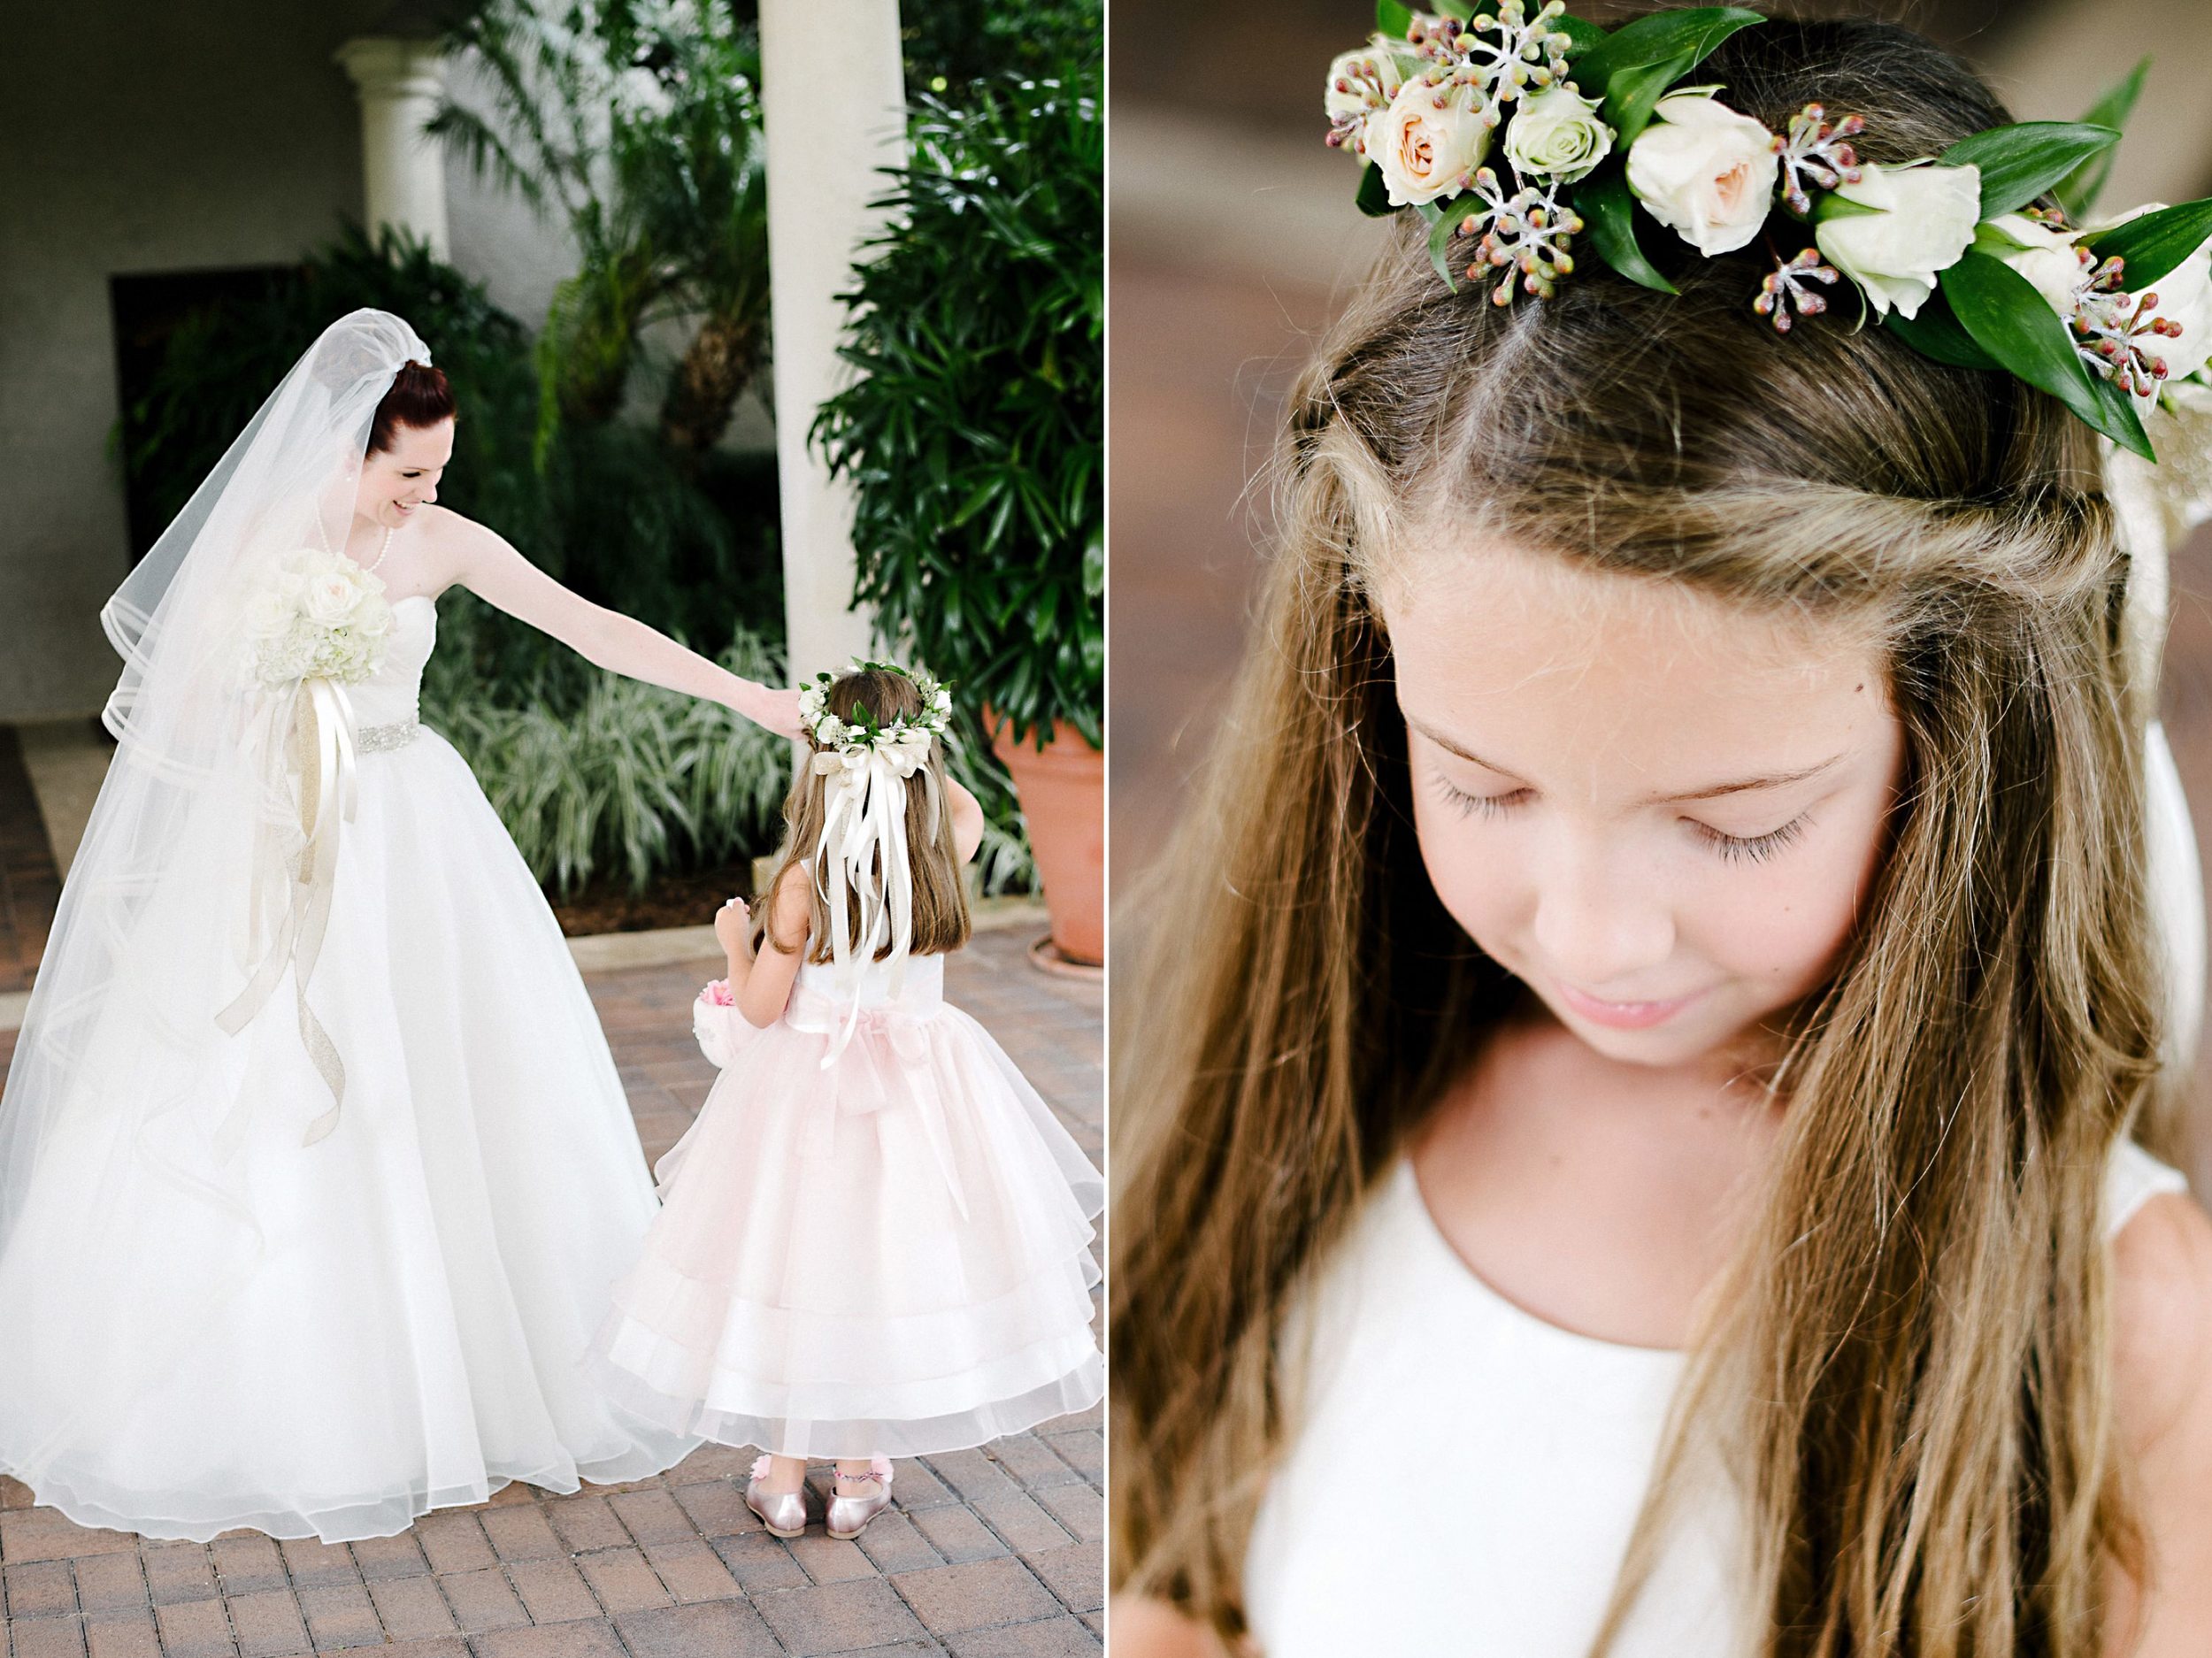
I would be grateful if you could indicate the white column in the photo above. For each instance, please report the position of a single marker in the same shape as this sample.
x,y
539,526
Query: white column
x,y
834,117
400,83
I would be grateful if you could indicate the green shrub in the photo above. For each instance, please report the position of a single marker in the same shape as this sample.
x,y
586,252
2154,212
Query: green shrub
x,y
973,433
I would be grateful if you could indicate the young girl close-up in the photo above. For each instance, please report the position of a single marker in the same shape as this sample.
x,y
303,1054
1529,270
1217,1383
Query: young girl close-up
x,y
1645,1119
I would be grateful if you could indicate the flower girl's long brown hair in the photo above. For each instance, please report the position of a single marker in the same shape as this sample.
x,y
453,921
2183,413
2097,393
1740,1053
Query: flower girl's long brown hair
x,y
1911,1347
940,894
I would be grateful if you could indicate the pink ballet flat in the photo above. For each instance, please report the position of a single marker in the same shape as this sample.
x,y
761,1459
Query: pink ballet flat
x,y
848,1516
784,1512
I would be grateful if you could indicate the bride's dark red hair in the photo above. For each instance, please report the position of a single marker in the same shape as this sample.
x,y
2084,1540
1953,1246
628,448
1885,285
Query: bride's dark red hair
x,y
419,396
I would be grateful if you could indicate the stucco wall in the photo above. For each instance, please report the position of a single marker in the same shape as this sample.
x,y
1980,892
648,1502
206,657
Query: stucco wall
x,y
143,137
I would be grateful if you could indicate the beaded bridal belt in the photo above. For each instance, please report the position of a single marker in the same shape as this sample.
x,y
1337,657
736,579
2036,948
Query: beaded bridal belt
x,y
384,738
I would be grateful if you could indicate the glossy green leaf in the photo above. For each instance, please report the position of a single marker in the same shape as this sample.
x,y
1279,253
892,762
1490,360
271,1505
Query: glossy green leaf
x,y
1393,19
2010,320
1935,332
1608,209
2154,243
1661,37
1581,36
1374,195
1458,9
2077,192
2023,161
1631,94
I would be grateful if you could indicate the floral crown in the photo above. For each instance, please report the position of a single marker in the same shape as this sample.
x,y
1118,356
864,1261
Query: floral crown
x,y
906,736
1949,252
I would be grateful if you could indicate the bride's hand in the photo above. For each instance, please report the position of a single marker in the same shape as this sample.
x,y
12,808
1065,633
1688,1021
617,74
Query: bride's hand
x,y
777,711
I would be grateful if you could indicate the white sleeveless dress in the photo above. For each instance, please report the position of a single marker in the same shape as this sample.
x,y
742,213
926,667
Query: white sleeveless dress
x,y
1424,1372
328,1339
887,1255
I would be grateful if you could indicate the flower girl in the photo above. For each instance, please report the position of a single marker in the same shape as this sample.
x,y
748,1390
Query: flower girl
x,y
875,1239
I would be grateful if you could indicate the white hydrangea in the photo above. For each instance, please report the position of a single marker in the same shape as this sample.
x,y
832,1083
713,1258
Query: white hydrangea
x,y
319,615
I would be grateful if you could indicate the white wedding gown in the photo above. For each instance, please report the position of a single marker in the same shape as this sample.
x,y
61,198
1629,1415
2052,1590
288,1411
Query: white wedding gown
x,y
328,1339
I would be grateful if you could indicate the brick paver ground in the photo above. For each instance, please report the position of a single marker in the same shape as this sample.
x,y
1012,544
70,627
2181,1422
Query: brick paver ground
x,y
994,1552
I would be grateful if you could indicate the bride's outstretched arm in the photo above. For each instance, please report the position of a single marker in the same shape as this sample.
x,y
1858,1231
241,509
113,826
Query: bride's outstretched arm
x,y
490,568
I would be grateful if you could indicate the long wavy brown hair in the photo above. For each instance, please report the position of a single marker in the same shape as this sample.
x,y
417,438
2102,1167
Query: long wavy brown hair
x,y
941,896
1910,1347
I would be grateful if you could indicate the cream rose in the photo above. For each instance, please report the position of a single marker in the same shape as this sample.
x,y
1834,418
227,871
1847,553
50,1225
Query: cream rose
x,y
1557,132
1423,151
2045,257
1705,171
1360,86
1925,220
329,598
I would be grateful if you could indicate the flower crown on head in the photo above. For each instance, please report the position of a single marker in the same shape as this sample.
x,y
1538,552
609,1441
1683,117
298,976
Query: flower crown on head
x,y
1949,252
905,737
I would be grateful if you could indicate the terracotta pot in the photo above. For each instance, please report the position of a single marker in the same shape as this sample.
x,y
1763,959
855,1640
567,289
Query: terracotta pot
x,y
1063,790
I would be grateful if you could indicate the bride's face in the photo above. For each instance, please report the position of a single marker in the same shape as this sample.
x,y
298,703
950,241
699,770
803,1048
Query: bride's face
x,y
398,482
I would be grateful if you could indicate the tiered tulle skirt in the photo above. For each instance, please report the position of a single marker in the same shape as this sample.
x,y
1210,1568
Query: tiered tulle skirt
x,y
888,1256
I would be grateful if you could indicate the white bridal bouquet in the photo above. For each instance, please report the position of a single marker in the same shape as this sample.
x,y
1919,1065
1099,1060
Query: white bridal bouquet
x,y
319,617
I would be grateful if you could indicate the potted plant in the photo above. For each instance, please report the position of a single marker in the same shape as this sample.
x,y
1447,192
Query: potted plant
x,y
972,437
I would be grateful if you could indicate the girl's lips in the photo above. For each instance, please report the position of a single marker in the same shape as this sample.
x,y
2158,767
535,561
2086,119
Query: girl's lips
x,y
1623,1016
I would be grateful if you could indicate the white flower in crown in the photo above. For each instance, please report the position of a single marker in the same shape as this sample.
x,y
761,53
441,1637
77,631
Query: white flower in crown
x,y
1705,171
1559,133
1360,86
904,740
1430,141
1923,219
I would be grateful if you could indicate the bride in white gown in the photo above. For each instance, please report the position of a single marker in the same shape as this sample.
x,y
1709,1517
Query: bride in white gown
x,y
339,1267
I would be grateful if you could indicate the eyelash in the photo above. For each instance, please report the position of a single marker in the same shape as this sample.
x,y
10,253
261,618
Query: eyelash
x,y
1734,848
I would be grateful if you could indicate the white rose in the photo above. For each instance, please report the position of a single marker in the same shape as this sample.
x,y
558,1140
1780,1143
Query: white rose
x,y
1423,151
1360,86
2045,257
1557,132
1926,221
1704,172
328,598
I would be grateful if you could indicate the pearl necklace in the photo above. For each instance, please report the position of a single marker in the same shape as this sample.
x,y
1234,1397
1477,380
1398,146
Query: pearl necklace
x,y
382,548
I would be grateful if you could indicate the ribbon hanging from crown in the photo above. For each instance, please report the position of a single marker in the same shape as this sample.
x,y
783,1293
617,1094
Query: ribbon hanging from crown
x,y
863,857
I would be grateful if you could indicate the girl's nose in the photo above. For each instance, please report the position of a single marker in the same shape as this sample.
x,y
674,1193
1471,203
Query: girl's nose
x,y
1602,926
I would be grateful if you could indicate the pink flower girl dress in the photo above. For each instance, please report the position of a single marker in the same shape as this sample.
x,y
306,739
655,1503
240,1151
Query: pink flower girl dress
x,y
885,1255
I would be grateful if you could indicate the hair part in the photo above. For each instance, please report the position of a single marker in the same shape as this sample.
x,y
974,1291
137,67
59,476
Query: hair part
x,y
1932,1216
941,918
419,397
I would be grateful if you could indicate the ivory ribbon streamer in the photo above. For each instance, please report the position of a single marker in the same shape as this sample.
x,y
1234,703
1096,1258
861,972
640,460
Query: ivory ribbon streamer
x,y
864,855
310,734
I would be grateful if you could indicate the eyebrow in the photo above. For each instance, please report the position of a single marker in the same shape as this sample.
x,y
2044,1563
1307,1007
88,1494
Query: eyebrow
x,y
1774,779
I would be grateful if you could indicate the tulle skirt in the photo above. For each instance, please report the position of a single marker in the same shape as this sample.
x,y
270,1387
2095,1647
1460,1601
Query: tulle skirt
x,y
329,1339
889,1258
